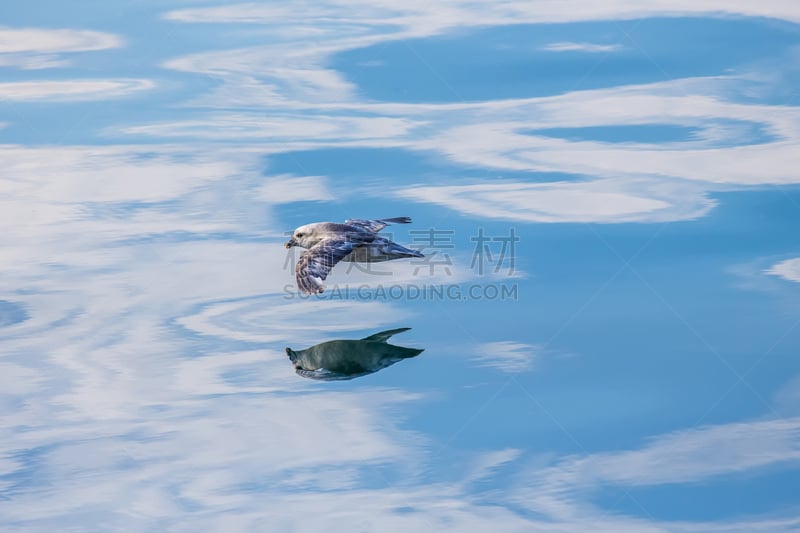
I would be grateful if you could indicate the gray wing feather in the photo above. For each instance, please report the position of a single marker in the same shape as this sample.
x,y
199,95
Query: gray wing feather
x,y
315,263
376,225
384,336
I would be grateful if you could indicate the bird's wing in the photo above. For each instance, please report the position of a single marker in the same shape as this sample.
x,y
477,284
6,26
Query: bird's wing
x,y
376,225
316,262
384,336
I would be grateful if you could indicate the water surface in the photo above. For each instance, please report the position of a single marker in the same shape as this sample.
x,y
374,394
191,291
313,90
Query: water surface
x,y
608,198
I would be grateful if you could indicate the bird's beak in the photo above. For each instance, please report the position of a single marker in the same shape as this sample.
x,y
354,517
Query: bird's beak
x,y
290,243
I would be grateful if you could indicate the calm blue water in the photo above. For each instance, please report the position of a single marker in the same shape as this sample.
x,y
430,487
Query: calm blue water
x,y
609,310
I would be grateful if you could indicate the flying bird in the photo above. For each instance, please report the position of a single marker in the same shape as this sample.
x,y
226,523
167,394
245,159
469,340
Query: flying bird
x,y
327,243
348,359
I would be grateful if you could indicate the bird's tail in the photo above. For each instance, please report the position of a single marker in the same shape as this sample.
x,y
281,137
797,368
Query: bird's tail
x,y
397,220
397,251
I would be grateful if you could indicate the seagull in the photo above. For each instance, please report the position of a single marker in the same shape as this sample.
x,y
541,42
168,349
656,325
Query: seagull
x,y
327,243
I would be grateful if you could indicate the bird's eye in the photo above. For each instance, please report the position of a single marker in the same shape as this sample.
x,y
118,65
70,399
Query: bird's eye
x,y
299,234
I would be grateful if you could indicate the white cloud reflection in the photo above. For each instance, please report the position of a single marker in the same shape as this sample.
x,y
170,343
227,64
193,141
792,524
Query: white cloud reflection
x,y
788,269
299,127
566,46
592,201
39,48
311,105
464,13
683,457
70,90
507,356
285,319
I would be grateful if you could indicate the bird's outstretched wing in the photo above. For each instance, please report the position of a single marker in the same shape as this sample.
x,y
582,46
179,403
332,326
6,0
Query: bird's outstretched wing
x,y
376,225
316,262
384,336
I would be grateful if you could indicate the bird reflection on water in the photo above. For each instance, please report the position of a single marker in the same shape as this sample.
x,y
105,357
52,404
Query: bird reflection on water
x,y
347,359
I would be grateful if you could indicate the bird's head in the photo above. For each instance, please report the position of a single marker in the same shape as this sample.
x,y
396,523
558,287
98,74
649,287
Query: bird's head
x,y
304,236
